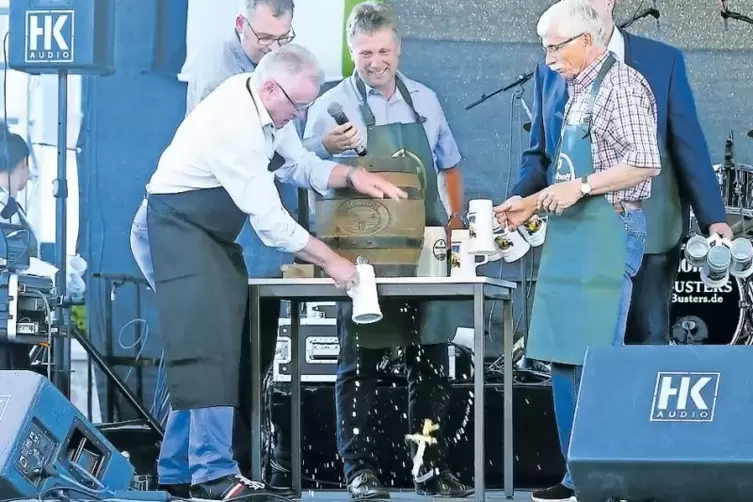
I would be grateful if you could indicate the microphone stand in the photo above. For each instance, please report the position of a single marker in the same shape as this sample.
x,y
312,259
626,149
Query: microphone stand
x,y
522,79
728,14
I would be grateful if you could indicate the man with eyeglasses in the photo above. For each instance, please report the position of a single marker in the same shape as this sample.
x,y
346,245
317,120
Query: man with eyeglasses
x,y
687,177
596,178
260,27
390,113
216,174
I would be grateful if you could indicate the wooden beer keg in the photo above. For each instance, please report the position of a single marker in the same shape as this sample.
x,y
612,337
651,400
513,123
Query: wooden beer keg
x,y
388,233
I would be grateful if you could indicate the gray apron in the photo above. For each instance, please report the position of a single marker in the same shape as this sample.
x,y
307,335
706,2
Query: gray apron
x,y
398,327
201,292
577,298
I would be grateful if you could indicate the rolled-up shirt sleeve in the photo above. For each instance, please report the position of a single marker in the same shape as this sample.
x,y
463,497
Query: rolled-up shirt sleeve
x,y
634,127
244,175
302,168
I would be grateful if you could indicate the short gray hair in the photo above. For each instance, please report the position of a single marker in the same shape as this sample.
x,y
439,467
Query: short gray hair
x,y
572,18
279,7
371,16
291,61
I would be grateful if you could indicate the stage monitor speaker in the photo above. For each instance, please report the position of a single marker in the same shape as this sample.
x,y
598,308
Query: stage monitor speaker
x,y
46,443
665,423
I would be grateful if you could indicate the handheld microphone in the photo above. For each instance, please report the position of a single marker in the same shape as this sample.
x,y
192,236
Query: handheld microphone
x,y
336,111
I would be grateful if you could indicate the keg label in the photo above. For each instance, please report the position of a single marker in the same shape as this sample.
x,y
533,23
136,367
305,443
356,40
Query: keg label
x,y
362,217
440,250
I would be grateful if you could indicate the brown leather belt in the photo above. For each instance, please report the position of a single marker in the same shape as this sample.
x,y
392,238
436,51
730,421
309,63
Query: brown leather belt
x,y
627,205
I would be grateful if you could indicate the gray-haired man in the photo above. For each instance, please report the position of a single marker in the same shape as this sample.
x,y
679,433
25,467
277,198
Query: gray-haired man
x,y
215,175
260,27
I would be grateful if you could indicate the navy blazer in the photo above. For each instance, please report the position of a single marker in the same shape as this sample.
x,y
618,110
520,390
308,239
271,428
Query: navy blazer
x,y
663,66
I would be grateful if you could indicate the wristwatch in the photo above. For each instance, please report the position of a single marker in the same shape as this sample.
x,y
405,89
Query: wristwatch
x,y
585,187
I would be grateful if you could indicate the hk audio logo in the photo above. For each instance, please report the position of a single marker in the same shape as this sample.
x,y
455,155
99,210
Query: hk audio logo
x,y
684,397
49,36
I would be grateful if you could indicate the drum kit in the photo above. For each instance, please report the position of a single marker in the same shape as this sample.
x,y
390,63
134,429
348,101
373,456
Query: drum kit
x,y
718,316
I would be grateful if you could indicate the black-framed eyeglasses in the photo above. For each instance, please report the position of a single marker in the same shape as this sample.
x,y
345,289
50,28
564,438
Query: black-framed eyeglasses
x,y
554,49
298,107
267,40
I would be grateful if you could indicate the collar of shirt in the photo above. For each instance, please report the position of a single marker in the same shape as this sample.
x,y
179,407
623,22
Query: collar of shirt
x,y
236,49
587,77
370,91
617,45
265,120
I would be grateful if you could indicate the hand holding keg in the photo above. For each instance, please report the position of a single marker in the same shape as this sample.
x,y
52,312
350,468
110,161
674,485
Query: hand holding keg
x,y
373,184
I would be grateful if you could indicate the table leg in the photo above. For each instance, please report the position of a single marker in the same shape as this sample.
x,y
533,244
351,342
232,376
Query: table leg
x,y
478,393
254,311
507,343
295,396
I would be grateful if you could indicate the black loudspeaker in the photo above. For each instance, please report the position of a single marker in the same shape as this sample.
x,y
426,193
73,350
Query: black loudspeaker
x,y
47,444
664,423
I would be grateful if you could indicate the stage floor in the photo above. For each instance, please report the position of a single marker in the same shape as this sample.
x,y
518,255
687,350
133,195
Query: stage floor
x,y
396,496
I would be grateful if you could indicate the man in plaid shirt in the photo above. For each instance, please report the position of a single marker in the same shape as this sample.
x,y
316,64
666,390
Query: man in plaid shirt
x,y
599,179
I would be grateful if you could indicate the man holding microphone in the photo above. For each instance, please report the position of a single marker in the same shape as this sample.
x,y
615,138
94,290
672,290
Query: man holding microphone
x,y
387,113
216,172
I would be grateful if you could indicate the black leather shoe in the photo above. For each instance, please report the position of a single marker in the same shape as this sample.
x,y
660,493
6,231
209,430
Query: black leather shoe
x,y
366,486
445,484
180,491
232,487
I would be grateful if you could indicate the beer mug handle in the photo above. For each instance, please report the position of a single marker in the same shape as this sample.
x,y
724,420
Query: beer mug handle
x,y
482,262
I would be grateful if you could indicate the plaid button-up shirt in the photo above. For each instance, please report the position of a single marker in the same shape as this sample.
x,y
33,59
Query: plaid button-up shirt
x,y
623,122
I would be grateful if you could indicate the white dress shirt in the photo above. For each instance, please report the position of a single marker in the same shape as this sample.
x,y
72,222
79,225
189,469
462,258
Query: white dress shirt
x,y
228,140
617,45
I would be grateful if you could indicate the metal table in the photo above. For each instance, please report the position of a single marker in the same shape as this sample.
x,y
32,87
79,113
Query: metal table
x,y
435,288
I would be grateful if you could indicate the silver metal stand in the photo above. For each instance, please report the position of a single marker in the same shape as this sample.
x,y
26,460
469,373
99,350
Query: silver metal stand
x,y
434,288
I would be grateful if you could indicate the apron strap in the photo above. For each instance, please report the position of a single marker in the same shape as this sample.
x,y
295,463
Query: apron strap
x,y
605,67
368,115
277,160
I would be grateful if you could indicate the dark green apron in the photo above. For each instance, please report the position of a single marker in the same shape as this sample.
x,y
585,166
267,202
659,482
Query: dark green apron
x,y
398,327
577,297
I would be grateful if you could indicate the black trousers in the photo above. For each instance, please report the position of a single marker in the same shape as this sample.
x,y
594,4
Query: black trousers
x,y
359,426
648,318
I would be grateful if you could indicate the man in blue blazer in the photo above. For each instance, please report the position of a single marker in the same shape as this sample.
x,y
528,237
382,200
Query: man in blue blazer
x,y
687,178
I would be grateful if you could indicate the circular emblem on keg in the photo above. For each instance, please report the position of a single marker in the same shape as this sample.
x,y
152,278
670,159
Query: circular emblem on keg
x,y
440,250
362,217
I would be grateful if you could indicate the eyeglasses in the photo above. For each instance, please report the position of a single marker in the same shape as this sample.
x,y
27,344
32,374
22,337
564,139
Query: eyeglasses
x,y
267,40
554,49
298,107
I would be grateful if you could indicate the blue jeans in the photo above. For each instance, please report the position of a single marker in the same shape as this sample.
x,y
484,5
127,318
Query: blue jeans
x,y
566,377
198,443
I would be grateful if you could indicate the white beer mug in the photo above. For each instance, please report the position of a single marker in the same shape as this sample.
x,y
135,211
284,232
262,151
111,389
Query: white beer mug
x,y
462,262
715,271
480,227
696,250
510,244
741,253
433,260
534,231
366,308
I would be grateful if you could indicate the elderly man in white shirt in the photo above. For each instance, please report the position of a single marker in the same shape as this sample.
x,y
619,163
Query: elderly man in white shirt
x,y
214,174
